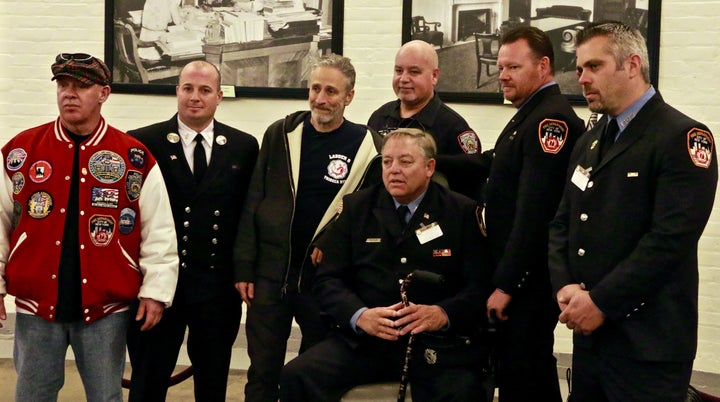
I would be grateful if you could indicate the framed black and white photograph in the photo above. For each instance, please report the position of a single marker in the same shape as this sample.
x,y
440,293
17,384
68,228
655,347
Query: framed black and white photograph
x,y
466,35
262,48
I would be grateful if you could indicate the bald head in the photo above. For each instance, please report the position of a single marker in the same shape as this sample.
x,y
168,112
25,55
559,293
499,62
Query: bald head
x,y
198,94
420,50
202,65
416,74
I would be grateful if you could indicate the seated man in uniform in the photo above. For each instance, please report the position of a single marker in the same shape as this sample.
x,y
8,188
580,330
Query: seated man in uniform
x,y
383,234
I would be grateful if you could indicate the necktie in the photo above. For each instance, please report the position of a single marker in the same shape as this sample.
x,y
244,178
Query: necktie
x,y
608,138
402,212
591,121
199,159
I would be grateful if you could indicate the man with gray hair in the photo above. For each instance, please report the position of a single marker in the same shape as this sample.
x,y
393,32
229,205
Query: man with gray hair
x,y
623,252
307,162
414,229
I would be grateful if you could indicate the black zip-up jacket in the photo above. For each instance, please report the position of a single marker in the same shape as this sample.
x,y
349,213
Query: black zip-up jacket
x,y
262,248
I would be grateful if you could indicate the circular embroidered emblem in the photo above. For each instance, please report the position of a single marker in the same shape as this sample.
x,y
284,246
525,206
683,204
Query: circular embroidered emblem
x,y
106,166
18,181
102,228
337,169
40,171
40,204
15,159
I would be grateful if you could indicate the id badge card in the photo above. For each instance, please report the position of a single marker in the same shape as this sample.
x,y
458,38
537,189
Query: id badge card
x,y
580,177
428,232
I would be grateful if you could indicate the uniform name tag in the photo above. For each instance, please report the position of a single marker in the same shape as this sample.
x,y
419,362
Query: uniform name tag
x,y
429,232
580,177
372,240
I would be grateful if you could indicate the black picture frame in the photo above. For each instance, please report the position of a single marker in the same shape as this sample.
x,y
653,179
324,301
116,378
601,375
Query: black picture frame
x,y
290,38
490,16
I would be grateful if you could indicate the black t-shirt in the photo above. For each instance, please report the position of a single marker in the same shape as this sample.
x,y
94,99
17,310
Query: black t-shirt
x,y
325,162
69,303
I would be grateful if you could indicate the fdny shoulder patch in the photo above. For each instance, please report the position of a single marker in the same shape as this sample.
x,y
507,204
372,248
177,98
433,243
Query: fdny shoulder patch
x,y
469,142
700,147
102,228
552,134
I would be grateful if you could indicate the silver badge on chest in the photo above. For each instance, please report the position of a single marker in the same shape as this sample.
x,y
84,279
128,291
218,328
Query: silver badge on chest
x,y
430,356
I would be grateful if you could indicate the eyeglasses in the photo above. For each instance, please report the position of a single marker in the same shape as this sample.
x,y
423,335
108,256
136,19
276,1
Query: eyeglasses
x,y
79,57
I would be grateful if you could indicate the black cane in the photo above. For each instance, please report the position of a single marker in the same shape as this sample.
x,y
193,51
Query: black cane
x,y
408,351
420,276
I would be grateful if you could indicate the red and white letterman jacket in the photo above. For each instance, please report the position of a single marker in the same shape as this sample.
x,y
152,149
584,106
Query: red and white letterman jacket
x,y
126,235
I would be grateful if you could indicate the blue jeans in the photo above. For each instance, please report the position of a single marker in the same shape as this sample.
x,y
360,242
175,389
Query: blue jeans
x,y
39,354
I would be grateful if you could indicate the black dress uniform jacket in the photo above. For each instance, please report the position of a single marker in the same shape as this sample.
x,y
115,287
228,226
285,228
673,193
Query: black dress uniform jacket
x,y
458,147
206,216
631,236
366,252
209,212
524,188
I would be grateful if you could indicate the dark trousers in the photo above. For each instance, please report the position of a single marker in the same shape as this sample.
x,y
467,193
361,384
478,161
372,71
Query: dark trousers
x,y
601,377
331,368
212,328
268,325
526,366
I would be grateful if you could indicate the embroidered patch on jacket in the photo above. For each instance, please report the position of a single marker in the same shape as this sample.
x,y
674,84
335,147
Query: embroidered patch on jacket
x,y
133,184
552,134
40,171
104,197
15,159
469,142
102,228
106,166
127,220
18,181
40,204
700,147
136,156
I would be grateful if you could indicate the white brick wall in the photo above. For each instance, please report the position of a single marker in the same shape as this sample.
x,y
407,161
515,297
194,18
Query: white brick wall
x,y
32,32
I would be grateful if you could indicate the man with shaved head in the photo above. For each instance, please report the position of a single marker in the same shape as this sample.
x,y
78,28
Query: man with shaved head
x,y
417,106
207,167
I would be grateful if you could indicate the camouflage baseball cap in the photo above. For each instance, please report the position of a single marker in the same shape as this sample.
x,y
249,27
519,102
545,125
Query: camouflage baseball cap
x,y
83,67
